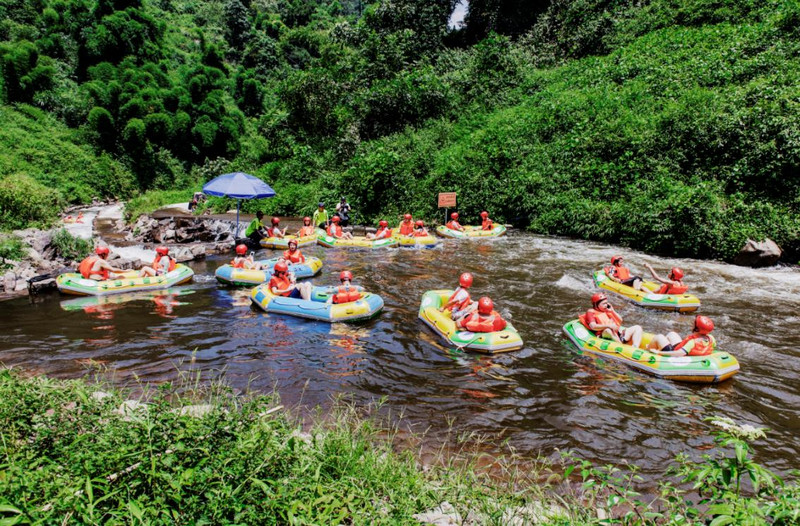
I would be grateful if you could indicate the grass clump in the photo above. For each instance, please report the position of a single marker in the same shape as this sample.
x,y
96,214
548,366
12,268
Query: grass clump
x,y
11,248
71,247
151,201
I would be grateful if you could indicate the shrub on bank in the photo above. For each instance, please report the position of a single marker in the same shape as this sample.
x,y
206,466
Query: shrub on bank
x,y
25,202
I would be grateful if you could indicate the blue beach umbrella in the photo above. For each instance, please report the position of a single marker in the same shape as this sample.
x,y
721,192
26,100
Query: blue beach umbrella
x,y
238,185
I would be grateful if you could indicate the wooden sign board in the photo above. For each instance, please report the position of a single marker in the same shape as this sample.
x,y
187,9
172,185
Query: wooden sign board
x,y
447,200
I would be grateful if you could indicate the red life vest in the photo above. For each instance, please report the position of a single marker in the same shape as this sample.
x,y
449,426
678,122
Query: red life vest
x,y
280,283
271,231
477,322
85,268
238,262
697,344
346,295
487,224
420,233
334,230
294,257
453,225
464,303
406,228
157,264
383,232
668,288
603,318
306,231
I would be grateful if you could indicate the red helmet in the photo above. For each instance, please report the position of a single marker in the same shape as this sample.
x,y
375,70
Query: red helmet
x,y
162,251
703,324
454,216
293,242
484,214
465,280
275,220
614,259
102,251
241,249
335,219
306,219
485,305
598,297
346,275
280,266
676,273
383,223
420,223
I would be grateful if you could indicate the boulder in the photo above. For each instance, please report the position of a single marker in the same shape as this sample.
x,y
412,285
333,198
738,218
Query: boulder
x,y
198,251
128,264
169,234
9,281
758,254
183,254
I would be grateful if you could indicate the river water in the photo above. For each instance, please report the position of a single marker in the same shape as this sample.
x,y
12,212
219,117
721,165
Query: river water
x,y
540,398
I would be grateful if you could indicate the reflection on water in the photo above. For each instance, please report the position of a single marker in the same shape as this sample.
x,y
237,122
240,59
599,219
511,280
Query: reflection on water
x,y
542,397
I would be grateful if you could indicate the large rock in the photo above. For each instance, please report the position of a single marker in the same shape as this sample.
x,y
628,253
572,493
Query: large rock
x,y
9,281
758,254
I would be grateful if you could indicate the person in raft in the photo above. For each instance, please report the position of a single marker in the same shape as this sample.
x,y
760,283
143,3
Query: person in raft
x,y
459,303
282,283
419,229
346,292
243,261
622,274
321,216
407,225
673,284
293,255
96,267
307,229
334,230
275,229
255,230
486,223
606,323
453,224
162,264
383,232
485,320
699,343
79,219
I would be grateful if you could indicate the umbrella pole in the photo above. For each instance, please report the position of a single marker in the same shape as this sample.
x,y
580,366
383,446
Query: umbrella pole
x,y
238,203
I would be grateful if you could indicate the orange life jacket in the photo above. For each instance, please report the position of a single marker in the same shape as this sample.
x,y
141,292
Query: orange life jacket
x,y
334,230
383,232
280,283
619,272
420,233
668,288
406,228
487,224
157,264
464,303
294,257
697,344
477,322
271,231
306,231
603,318
85,268
346,295
453,225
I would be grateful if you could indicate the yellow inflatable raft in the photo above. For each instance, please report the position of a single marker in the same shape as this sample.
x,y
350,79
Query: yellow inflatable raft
x,y
357,242
282,243
648,298
488,342
416,242
470,232
74,283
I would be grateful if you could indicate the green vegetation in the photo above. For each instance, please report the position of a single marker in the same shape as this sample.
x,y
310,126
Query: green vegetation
x,y
667,125
11,248
152,201
71,247
69,453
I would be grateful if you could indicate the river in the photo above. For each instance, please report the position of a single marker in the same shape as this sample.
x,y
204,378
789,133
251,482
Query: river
x,y
540,398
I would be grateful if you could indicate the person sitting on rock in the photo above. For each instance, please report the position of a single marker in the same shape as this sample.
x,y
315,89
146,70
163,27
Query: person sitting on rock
x,y
486,319
345,293
243,260
275,230
293,255
486,223
383,232
604,321
672,284
161,265
255,230
96,267
699,343
283,283
307,229
335,230
453,224
419,229
621,274
407,225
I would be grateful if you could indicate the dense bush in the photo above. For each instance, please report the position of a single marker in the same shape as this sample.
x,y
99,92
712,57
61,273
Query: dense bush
x,y
23,202
71,247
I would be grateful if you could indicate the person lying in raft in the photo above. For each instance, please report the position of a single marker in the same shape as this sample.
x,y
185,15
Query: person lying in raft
x,y
293,255
96,267
335,230
283,284
419,229
622,274
485,320
672,284
606,323
275,230
698,343
407,226
307,229
459,303
345,293
162,264
453,224
383,232
486,223
243,261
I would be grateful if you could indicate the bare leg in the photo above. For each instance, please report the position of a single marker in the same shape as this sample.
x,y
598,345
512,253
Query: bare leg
x,y
658,342
633,335
305,290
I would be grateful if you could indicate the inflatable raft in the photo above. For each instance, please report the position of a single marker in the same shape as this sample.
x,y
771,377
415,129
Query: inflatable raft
x,y
318,308
713,368
88,303
357,242
417,242
74,283
488,342
648,298
228,275
282,243
470,232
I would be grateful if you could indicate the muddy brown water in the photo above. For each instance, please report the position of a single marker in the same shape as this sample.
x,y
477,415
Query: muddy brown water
x,y
540,398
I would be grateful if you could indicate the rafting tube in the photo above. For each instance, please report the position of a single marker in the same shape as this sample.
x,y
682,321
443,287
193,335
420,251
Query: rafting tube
x,y
417,242
282,243
74,283
487,342
228,275
318,308
648,298
357,242
471,232
712,368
